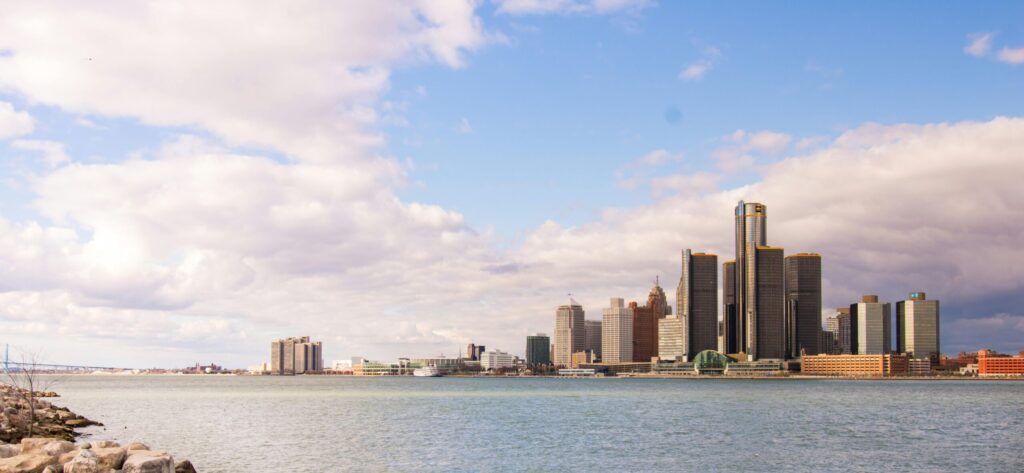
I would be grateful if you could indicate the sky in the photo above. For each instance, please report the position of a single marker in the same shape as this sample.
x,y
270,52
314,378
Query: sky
x,y
184,182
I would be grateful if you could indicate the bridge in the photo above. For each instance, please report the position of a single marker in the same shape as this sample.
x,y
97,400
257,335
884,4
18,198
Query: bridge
x,y
16,367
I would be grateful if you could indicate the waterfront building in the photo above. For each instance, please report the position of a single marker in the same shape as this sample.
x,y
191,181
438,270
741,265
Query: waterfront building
x,y
919,366
645,333
538,350
993,364
839,324
471,353
296,355
671,339
755,368
856,365
697,303
582,358
442,363
570,332
496,360
592,342
769,319
872,324
917,327
617,332
732,329
803,304
619,368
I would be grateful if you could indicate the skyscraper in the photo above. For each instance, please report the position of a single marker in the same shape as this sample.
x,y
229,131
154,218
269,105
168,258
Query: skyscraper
x,y
671,338
570,333
617,333
751,233
697,303
592,342
732,339
871,323
769,324
917,327
803,304
645,332
839,324
296,355
538,349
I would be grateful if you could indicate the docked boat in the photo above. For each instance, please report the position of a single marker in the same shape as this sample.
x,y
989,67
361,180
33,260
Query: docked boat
x,y
427,372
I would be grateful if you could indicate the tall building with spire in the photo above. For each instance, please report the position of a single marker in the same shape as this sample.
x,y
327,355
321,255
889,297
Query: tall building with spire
x,y
697,302
570,332
645,323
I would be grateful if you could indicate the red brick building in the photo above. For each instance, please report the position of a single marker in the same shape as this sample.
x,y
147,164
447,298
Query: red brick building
x,y
991,363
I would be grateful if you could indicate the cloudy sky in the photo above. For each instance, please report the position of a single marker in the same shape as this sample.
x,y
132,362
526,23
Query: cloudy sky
x,y
185,181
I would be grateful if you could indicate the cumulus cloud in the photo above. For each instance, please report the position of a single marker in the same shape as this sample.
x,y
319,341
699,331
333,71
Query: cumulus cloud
x,y
979,44
1011,55
14,123
52,152
638,171
743,149
599,7
698,69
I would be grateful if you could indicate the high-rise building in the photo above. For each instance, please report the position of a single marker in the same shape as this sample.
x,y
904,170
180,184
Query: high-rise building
x,y
645,332
751,233
592,342
471,352
671,338
657,301
769,321
296,355
871,322
538,350
803,304
917,327
697,303
617,333
570,332
731,327
839,325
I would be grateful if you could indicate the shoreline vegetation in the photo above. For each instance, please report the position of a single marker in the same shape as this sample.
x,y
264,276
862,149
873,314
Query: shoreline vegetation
x,y
39,437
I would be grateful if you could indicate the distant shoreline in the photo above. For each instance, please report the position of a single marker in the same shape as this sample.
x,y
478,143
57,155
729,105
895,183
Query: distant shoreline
x,y
795,377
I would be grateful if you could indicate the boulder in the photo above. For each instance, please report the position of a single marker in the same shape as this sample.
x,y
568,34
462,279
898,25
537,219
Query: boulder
x,y
104,444
137,446
52,469
110,457
8,451
83,462
34,444
27,463
146,461
58,447
184,466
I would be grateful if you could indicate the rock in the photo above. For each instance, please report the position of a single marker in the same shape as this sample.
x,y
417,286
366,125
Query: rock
x,y
110,457
83,462
27,463
57,447
184,466
145,461
8,451
137,446
104,444
34,444
52,469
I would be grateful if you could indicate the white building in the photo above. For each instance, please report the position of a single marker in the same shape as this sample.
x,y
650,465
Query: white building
x,y
570,332
874,326
671,339
617,333
917,327
496,359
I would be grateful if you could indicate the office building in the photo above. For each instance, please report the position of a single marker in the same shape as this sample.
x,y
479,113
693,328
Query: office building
x,y
768,317
697,303
856,365
471,352
617,333
657,301
296,355
496,360
570,332
645,333
871,322
592,341
917,327
671,339
538,350
992,364
751,233
731,326
827,343
839,325
803,304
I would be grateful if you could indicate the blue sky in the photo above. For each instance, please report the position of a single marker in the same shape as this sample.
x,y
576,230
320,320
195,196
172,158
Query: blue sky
x,y
180,184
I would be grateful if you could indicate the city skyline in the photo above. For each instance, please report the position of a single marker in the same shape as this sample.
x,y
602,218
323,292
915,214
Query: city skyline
x,y
407,180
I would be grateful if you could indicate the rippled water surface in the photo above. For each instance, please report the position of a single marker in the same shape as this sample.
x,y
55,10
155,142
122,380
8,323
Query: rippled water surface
x,y
322,423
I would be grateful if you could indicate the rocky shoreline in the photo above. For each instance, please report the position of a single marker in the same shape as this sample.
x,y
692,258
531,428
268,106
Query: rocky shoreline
x,y
47,444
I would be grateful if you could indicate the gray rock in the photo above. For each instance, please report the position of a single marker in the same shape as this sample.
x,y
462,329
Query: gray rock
x,y
110,457
184,466
7,451
146,461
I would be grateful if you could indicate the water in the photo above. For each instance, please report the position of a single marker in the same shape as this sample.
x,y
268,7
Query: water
x,y
322,423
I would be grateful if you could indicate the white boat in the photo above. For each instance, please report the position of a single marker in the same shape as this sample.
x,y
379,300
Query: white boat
x,y
427,372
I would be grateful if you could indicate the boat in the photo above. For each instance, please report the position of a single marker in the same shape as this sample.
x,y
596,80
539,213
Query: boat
x,y
427,372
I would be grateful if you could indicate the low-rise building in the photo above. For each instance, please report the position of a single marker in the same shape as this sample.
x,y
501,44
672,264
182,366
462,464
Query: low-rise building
x,y
755,368
855,365
496,360
919,366
992,364
618,368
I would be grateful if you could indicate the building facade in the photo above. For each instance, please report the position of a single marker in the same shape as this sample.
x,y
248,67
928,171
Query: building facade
x,y
645,332
872,324
751,233
671,338
917,327
495,360
992,364
538,350
570,332
839,325
617,333
731,327
768,326
592,342
296,355
855,365
697,302
803,304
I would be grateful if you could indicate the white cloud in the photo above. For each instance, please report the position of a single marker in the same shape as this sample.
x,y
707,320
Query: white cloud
x,y
600,7
695,70
1011,55
979,44
13,123
637,172
743,149
464,126
52,152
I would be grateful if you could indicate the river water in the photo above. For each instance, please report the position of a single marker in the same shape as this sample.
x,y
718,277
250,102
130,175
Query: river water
x,y
328,424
